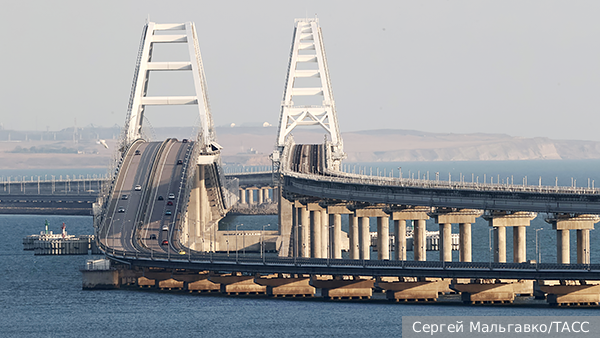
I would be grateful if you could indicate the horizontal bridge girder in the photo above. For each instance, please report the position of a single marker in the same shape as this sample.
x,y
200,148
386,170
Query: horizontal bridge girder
x,y
306,58
306,73
168,100
169,66
169,26
307,91
169,38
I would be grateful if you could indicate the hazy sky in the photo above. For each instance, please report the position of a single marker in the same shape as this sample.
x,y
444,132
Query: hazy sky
x,y
524,68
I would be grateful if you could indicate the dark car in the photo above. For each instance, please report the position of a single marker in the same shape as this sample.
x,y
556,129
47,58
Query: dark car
x,y
179,161
121,209
137,152
170,203
160,198
184,140
153,236
168,212
124,197
165,242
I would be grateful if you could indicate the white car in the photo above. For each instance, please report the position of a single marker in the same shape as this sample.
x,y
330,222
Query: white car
x,y
171,196
138,187
165,228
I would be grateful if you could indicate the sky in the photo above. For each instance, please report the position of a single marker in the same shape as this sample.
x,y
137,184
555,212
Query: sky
x,y
523,68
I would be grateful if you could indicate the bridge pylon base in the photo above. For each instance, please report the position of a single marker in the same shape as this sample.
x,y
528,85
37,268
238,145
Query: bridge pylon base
x,y
491,291
239,285
337,288
569,293
408,289
287,286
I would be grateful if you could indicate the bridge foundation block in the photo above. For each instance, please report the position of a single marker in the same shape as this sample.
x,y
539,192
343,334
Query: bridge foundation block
x,y
412,289
238,285
338,288
571,292
491,291
287,286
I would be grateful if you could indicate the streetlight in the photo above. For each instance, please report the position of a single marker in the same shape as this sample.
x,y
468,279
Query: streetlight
x,y
227,241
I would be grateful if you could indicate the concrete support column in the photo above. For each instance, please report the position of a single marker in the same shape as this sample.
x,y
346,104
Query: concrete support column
x,y
336,240
275,193
519,248
364,249
445,242
383,238
400,240
500,244
325,232
250,196
242,196
563,248
304,228
315,234
465,242
583,246
419,240
295,232
261,199
353,236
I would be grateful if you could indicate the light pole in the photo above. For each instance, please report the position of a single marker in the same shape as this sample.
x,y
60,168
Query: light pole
x,y
227,243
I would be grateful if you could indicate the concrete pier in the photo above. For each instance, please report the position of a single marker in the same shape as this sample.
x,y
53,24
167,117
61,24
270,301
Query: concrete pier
x,y
563,223
412,289
237,284
353,234
570,293
383,238
280,286
464,218
400,216
491,291
343,287
518,220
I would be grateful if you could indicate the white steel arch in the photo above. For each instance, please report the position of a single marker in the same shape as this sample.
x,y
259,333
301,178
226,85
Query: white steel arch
x,y
307,47
170,33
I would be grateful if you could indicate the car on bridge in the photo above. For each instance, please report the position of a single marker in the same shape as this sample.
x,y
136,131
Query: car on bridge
x,y
168,212
138,187
179,161
170,203
121,209
160,198
153,236
137,152
171,196
124,197
165,228
165,242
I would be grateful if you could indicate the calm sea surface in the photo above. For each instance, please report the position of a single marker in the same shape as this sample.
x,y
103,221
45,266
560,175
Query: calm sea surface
x,y
41,296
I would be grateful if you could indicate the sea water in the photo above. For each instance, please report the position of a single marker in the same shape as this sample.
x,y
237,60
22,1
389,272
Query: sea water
x,y
41,296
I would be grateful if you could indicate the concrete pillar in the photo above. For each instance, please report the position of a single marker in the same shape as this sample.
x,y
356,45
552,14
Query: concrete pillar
x,y
400,240
465,242
261,199
325,231
419,240
304,228
315,234
353,236
250,196
336,240
383,238
519,248
364,249
242,196
446,242
563,247
286,226
295,233
583,246
500,244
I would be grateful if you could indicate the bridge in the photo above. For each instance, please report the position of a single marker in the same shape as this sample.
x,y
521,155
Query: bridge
x,y
165,199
